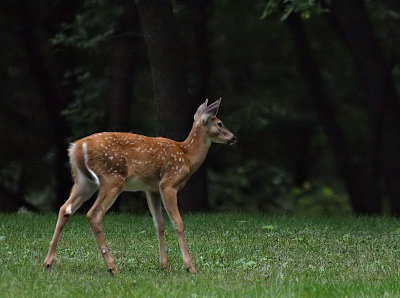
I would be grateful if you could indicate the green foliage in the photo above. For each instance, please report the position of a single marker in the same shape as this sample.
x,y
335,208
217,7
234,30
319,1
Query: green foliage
x,y
264,187
86,112
89,34
305,8
91,27
319,199
234,254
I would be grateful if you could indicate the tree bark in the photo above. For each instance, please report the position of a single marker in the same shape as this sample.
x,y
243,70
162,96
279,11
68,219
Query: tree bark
x,y
174,107
122,71
201,67
199,89
361,190
54,102
352,23
166,56
121,78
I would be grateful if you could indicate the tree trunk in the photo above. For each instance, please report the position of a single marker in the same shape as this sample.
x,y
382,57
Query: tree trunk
x,y
199,89
54,102
121,79
361,190
200,69
166,55
122,71
174,107
375,75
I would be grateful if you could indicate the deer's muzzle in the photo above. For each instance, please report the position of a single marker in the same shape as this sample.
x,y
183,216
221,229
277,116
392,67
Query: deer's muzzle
x,y
232,140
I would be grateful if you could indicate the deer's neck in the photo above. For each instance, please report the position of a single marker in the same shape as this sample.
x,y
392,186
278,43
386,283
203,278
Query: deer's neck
x,y
196,146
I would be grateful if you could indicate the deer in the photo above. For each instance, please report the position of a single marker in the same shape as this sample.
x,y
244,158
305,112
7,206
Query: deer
x,y
113,162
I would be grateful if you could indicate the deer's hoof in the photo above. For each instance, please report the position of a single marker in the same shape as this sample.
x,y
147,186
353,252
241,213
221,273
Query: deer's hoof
x,y
191,270
164,267
113,271
47,266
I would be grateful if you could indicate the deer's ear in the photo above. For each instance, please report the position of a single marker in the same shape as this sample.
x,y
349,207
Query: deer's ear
x,y
210,111
201,109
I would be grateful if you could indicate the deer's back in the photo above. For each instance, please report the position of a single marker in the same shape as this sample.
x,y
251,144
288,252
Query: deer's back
x,y
139,161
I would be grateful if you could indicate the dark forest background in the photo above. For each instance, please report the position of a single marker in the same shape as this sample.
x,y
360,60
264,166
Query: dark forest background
x,y
311,89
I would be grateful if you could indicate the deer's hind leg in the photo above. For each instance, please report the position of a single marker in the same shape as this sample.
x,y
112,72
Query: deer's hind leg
x,y
81,192
108,193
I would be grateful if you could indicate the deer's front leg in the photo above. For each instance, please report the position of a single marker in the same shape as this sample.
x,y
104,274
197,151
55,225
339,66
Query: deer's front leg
x,y
154,203
168,194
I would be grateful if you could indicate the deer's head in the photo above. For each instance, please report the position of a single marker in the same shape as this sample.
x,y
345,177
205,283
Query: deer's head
x,y
215,130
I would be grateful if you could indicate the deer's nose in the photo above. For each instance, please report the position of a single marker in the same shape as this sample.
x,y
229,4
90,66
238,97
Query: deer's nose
x,y
233,140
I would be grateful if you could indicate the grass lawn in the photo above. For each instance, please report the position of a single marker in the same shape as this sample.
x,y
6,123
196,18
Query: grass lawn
x,y
236,255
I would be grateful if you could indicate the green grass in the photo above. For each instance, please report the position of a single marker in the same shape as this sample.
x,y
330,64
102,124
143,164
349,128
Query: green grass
x,y
236,255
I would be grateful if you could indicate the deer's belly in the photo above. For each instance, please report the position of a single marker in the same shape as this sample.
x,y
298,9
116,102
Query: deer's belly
x,y
137,184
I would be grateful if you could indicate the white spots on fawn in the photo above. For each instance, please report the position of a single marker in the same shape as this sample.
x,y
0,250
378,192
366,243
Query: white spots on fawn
x,y
119,176
121,155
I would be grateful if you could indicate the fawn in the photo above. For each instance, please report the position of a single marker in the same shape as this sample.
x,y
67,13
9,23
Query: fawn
x,y
113,162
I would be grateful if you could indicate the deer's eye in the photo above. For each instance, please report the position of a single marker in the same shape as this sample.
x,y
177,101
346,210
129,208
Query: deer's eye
x,y
220,124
